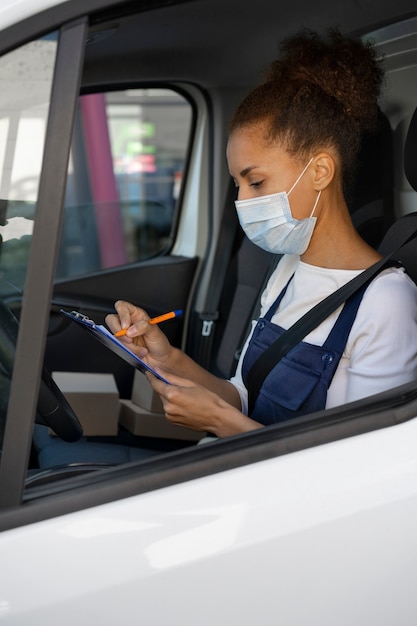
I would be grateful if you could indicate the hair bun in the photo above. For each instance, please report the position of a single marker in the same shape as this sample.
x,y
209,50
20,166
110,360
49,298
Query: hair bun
x,y
321,93
344,69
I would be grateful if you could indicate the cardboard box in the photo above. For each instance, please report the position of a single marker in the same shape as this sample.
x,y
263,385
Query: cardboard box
x,y
139,421
143,395
94,399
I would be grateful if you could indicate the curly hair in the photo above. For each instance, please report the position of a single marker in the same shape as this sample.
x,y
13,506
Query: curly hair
x,y
322,91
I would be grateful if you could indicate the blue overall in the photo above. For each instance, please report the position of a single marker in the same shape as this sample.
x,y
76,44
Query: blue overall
x,y
298,384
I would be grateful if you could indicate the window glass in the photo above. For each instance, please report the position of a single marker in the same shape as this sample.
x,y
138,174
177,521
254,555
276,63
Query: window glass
x,y
25,87
124,179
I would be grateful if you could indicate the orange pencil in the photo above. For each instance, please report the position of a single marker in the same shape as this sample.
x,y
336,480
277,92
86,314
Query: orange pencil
x,y
154,320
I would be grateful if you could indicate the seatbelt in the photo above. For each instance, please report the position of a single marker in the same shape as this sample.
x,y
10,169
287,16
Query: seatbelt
x,y
210,315
308,322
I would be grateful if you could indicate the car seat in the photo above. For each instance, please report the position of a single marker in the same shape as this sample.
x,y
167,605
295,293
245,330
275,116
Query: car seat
x,y
370,197
407,223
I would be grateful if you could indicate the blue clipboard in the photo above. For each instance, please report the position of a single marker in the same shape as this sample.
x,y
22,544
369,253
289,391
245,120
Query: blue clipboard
x,y
104,336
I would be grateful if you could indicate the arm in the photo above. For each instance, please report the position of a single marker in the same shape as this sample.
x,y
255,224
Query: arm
x,y
383,344
189,404
151,345
196,398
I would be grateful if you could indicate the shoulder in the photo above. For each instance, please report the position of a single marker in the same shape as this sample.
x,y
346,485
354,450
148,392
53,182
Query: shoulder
x,y
392,289
384,333
389,305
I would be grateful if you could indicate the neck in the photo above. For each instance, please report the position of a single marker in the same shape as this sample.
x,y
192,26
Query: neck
x,y
335,242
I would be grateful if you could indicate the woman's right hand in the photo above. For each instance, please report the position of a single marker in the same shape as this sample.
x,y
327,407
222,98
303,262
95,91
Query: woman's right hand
x,y
144,339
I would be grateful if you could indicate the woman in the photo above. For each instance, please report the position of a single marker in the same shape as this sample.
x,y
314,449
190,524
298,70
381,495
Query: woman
x,y
293,145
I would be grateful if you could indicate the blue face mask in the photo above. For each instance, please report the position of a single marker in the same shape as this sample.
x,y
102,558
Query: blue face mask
x,y
268,222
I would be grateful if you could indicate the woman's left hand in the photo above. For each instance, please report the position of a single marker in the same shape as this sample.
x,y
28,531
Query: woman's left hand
x,y
191,405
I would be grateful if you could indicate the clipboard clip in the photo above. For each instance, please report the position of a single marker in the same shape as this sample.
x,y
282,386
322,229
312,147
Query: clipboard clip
x,y
80,317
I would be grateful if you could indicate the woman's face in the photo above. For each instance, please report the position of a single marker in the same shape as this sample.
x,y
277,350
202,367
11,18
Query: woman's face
x,y
259,169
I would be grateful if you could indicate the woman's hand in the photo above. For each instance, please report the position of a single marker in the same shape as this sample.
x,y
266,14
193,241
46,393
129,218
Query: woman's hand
x,y
189,404
144,339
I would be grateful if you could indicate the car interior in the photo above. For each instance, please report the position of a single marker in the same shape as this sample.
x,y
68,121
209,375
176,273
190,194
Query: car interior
x,y
147,180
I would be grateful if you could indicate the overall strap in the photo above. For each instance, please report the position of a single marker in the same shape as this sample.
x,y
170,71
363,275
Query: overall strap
x,y
273,308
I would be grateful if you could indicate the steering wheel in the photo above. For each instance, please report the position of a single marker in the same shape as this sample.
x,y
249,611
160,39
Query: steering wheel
x,y
53,409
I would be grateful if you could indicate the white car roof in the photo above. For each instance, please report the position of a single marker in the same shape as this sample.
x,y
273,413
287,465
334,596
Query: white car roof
x,y
14,11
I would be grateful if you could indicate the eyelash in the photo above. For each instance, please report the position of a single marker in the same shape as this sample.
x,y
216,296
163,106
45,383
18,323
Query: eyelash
x,y
255,185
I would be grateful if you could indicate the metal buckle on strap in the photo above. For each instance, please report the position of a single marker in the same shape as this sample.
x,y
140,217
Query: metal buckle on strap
x,y
208,320
207,326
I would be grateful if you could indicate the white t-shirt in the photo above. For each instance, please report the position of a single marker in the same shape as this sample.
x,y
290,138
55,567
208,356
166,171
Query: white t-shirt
x,y
381,351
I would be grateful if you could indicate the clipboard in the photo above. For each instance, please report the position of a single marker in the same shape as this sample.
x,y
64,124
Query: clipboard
x,y
105,337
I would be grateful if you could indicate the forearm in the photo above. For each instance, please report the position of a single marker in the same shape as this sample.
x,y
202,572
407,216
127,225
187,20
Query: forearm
x,y
200,401
185,367
229,421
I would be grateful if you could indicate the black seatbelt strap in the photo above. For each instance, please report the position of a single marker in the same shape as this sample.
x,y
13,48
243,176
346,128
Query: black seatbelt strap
x,y
310,320
210,315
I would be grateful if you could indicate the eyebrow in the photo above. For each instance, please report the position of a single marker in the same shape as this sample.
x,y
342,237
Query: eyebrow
x,y
246,171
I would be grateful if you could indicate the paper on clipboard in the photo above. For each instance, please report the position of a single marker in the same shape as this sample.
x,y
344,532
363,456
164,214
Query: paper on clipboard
x,y
102,334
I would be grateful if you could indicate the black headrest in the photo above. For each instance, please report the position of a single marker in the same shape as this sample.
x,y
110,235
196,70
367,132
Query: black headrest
x,y
410,153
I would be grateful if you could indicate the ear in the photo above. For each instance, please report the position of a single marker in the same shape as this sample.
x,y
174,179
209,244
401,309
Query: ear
x,y
324,168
